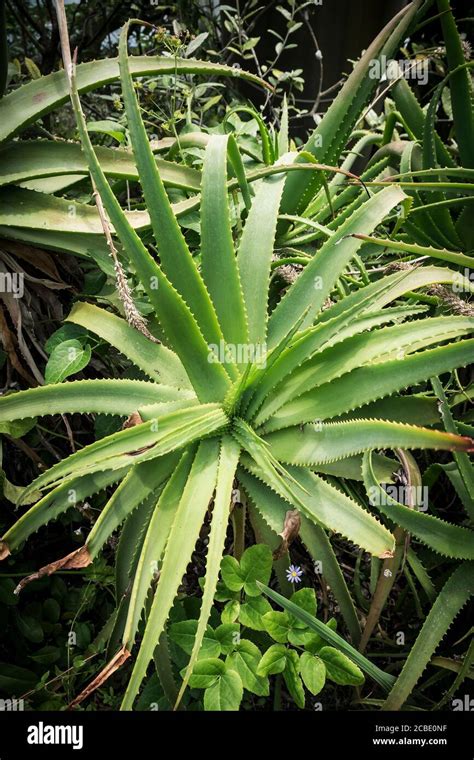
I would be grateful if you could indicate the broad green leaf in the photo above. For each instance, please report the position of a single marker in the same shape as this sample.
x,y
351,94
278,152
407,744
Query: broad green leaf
x,y
292,677
231,612
339,668
277,624
256,564
250,613
245,660
66,359
313,672
224,695
228,635
273,661
184,634
206,672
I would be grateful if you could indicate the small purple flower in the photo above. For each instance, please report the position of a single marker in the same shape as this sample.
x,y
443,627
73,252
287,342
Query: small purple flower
x,y
294,574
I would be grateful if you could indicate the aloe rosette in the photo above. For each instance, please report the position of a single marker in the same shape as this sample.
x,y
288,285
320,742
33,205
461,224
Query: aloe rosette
x,y
326,390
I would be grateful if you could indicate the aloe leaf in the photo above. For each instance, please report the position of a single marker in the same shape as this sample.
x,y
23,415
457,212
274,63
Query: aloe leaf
x,y
362,350
84,396
453,596
228,460
420,250
331,135
139,484
328,442
464,465
154,545
218,259
255,254
319,276
32,159
83,245
389,288
366,384
383,679
446,539
182,539
56,502
209,380
148,440
460,85
320,502
41,96
175,257
156,360
414,117
273,511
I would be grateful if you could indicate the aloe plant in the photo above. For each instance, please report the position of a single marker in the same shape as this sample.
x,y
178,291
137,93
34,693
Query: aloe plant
x,y
277,397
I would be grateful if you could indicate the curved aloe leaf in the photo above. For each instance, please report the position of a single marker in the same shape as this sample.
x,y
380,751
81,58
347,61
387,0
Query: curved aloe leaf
x,y
326,505
228,460
446,539
366,384
32,159
454,595
148,440
219,266
101,396
156,360
328,442
182,539
319,276
27,104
